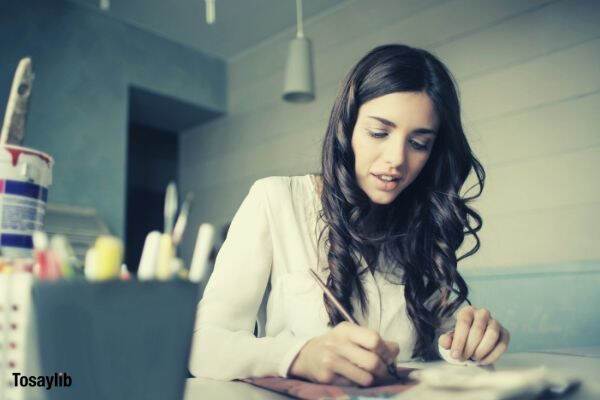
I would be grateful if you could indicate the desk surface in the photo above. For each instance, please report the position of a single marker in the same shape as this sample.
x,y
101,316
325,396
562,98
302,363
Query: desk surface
x,y
583,363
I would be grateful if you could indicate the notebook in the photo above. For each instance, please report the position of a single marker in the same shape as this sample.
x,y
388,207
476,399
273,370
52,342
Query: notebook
x,y
314,391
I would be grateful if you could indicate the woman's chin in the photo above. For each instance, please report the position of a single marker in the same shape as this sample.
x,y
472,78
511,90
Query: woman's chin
x,y
382,198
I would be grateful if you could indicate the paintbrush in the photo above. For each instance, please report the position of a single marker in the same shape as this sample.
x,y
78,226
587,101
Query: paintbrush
x,y
13,128
170,207
348,317
182,219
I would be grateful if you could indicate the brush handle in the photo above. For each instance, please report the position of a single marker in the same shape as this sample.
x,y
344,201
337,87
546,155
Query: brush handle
x,y
347,316
13,128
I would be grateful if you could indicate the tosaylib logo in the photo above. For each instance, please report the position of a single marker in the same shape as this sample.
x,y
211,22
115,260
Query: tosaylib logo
x,y
59,379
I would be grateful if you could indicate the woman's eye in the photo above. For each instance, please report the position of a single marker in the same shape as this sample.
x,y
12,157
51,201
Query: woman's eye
x,y
377,135
419,146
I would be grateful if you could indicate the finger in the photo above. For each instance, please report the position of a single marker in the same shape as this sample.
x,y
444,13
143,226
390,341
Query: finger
x,y
339,380
369,340
352,372
478,328
393,350
489,340
500,348
334,368
464,320
363,358
445,339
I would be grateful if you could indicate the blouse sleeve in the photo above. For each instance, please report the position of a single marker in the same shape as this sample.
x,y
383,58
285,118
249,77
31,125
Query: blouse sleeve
x,y
223,344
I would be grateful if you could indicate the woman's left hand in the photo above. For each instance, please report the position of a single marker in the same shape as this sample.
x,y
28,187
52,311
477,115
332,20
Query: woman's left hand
x,y
476,336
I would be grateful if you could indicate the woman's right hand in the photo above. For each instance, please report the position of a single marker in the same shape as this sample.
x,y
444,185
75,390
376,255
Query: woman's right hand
x,y
347,355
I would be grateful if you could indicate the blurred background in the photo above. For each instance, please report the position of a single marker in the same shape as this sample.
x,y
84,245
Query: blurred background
x,y
132,93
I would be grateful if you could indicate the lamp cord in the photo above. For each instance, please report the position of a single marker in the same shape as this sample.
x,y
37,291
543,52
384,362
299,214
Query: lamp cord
x,y
300,29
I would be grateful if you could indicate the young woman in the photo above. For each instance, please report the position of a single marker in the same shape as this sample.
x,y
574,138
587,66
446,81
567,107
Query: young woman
x,y
380,225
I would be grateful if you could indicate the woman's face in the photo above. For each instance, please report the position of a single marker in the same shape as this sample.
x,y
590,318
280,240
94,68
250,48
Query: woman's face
x,y
392,140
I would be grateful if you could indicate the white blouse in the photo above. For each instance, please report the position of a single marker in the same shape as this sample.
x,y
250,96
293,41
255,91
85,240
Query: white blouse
x,y
261,275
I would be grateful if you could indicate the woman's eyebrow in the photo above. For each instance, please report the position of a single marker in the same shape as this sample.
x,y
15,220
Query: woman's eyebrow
x,y
424,131
418,131
384,121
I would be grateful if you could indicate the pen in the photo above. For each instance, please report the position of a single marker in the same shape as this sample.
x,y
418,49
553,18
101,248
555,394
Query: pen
x,y
166,250
47,267
147,267
89,269
392,366
63,254
165,256
108,257
204,242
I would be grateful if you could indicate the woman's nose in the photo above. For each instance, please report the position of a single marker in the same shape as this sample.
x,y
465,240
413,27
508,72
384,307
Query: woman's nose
x,y
394,152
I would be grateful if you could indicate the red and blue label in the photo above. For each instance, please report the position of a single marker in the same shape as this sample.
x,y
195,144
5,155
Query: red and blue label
x,y
27,214
24,189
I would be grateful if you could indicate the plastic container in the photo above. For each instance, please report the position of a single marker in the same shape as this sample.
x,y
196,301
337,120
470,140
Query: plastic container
x,y
115,339
25,175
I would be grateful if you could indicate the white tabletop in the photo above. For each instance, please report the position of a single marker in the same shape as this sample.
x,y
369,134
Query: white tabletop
x,y
583,363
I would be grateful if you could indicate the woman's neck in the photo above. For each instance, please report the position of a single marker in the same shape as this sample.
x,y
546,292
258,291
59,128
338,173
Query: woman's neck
x,y
375,218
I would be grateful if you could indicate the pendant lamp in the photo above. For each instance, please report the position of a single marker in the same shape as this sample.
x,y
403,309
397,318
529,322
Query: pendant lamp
x,y
210,11
299,86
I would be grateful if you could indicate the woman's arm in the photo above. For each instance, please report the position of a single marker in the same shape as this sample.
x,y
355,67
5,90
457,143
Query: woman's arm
x,y
223,345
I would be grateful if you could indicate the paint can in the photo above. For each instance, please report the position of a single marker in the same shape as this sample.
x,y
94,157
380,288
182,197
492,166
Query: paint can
x,y
25,175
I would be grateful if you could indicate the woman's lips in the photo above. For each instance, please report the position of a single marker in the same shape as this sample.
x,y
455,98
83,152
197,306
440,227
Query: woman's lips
x,y
386,186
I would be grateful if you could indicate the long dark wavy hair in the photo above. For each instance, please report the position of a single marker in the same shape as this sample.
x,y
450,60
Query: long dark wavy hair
x,y
418,234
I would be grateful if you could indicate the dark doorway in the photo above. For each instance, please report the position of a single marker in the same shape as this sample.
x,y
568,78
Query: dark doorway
x,y
155,121
151,163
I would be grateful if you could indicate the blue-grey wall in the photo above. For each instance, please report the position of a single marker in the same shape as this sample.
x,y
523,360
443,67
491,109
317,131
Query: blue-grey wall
x,y
84,64
545,306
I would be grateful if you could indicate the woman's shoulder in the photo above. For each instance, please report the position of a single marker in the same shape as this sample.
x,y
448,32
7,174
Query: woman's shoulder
x,y
282,188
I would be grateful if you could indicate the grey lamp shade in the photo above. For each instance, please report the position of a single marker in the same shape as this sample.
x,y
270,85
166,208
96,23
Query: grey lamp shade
x,y
299,86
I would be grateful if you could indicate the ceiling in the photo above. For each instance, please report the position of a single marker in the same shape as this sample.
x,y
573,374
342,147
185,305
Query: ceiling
x,y
239,24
